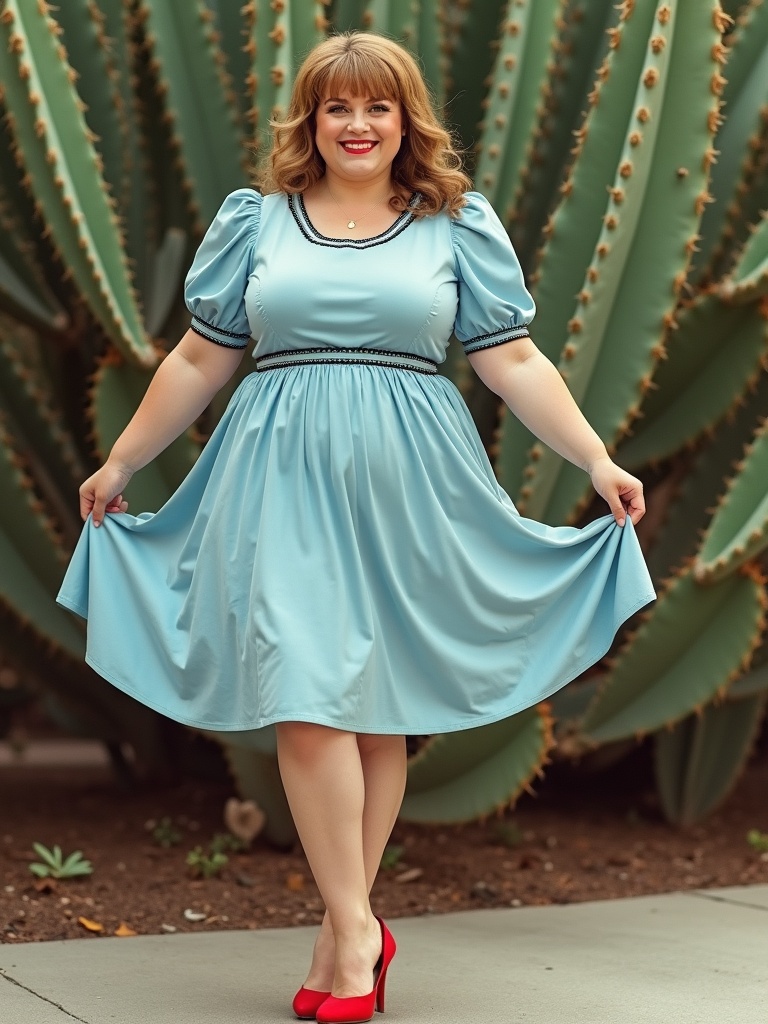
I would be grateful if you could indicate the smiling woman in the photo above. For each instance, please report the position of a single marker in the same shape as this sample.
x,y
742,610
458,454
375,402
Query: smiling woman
x,y
341,561
358,138
361,136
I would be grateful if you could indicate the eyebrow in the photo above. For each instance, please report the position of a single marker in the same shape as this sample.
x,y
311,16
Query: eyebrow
x,y
371,99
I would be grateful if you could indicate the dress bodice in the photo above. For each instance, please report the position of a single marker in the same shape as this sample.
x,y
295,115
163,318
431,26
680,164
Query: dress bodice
x,y
264,271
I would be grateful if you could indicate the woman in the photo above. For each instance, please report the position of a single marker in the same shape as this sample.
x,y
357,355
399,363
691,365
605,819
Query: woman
x,y
341,561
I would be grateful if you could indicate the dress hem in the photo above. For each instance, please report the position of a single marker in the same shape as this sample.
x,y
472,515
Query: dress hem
x,y
78,609
470,722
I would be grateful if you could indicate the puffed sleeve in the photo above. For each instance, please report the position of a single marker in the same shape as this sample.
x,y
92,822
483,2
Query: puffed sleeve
x,y
494,304
214,288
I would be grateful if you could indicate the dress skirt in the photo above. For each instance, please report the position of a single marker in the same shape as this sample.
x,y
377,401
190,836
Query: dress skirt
x,y
342,553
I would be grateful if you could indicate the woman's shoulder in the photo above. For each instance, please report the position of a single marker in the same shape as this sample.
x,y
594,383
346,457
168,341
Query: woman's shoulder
x,y
475,219
475,208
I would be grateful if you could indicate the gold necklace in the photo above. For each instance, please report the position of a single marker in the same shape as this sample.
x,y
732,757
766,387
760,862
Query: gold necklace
x,y
351,223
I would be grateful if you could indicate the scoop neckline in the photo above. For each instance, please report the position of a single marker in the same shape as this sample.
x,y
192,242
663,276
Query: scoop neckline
x,y
310,232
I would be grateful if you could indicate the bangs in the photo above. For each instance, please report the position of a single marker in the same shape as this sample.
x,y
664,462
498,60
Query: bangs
x,y
357,74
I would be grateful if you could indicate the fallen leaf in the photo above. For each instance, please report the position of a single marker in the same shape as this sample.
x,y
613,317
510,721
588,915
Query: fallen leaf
x,y
124,929
92,926
295,882
244,818
483,890
410,876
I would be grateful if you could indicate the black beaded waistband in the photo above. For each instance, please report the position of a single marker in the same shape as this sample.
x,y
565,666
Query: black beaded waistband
x,y
374,356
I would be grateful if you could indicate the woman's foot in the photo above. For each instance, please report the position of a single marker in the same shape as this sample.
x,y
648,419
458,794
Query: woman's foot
x,y
320,977
356,957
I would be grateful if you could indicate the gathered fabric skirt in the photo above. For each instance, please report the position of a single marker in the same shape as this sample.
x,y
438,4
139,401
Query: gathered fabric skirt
x,y
342,553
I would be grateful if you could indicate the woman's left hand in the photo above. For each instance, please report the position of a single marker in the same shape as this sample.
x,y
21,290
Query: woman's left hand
x,y
623,492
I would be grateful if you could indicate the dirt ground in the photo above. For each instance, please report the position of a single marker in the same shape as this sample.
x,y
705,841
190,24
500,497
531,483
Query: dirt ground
x,y
579,837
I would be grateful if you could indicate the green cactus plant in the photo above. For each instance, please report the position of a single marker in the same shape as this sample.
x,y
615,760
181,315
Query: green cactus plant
x,y
738,531
655,201
626,149
54,149
698,762
688,648
468,775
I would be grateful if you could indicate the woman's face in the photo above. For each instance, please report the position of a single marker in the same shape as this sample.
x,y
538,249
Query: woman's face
x,y
358,136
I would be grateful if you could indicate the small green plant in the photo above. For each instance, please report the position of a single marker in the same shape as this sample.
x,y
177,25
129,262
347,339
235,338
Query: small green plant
x,y
758,840
205,864
391,856
508,833
226,841
55,866
166,834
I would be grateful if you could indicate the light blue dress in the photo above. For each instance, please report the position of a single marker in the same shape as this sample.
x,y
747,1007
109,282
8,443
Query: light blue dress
x,y
341,552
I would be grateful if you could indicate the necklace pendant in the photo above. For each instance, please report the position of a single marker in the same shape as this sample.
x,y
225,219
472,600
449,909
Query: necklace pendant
x,y
351,225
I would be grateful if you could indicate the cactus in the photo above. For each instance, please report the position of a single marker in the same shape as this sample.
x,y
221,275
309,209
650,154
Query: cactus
x,y
572,230
510,107
578,47
755,681
738,531
28,403
257,777
697,480
470,39
116,391
699,761
749,279
686,651
715,356
470,774
199,101
655,202
54,147
744,104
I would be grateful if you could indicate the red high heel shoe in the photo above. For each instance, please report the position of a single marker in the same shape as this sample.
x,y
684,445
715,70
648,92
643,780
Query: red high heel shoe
x,y
359,1009
307,1001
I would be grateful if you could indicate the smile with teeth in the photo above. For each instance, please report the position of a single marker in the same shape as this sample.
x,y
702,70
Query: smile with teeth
x,y
358,147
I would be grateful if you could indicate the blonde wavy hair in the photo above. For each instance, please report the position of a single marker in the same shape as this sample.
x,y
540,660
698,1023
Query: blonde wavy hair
x,y
365,63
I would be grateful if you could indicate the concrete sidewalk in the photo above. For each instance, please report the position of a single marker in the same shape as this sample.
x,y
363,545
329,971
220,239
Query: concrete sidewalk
x,y
699,957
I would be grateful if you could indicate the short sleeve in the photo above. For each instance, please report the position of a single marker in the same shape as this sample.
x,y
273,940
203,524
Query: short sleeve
x,y
494,304
214,288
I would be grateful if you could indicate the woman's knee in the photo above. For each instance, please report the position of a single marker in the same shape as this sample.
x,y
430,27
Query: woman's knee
x,y
368,742
306,739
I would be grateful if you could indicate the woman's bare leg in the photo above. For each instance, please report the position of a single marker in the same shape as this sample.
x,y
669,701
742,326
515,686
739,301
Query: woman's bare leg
x,y
377,761
384,764
322,773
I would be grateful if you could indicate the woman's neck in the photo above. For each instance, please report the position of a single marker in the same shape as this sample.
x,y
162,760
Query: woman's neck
x,y
367,192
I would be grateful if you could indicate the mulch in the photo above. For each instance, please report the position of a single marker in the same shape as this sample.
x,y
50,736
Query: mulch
x,y
579,837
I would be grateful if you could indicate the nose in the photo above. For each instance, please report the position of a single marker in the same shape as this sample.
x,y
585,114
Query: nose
x,y
357,122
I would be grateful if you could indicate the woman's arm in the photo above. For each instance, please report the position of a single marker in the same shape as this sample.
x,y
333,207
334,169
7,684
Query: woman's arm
x,y
181,389
530,384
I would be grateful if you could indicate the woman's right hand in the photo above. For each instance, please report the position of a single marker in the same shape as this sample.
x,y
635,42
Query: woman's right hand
x,y
103,492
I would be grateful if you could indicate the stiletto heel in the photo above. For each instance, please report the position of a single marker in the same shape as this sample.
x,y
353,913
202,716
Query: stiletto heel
x,y
307,1001
380,991
359,1009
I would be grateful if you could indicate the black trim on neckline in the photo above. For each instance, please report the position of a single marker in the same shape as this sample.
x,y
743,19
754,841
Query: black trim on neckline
x,y
310,232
